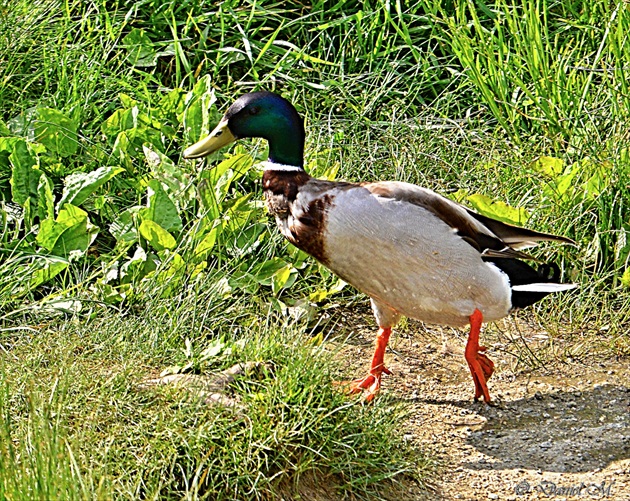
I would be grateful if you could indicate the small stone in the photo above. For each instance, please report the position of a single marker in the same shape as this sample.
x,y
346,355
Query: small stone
x,y
492,495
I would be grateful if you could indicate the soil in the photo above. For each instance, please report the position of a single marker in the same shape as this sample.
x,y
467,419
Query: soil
x,y
557,431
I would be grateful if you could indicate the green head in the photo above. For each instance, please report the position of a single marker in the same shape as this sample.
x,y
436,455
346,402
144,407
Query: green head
x,y
258,114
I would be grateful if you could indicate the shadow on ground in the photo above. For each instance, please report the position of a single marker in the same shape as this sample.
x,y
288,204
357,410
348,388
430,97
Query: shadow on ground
x,y
559,431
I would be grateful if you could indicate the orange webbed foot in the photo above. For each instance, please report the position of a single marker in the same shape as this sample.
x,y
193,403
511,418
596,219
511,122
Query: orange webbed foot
x,y
369,386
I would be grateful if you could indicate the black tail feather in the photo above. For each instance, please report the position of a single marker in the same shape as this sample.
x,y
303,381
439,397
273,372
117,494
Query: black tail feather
x,y
521,273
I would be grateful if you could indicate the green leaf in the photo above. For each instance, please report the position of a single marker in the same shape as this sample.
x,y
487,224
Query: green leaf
x,y
215,183
161,209
46,199
226,173
215,348
564,187
164,169
56,131
4,130
318,296
283,278
550,166
123,228
197,115
121,150
264,272
22,124
157,236
51,268
172,103
204,247
140,48
625,278
80,185
70,231
119,121
498,210
24,175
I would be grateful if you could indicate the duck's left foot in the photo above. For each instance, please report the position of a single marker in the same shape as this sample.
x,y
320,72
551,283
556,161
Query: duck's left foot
x,y
369,386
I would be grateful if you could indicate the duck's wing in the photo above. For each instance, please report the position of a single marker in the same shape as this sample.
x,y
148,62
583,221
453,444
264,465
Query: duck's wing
x,y
490,237
515,236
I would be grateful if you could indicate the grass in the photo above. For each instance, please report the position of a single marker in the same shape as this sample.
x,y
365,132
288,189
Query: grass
x,y
78,422
463,99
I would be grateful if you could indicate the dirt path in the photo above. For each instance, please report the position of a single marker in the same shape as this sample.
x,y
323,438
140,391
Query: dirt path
x,y
562,432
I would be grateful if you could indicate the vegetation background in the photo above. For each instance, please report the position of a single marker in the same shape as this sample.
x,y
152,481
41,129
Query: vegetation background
x,y
118,259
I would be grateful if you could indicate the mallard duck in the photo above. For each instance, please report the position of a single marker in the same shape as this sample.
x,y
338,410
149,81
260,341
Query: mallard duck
x,y
412,251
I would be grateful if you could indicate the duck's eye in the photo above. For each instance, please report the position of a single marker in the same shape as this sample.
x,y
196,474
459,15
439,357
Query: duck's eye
x,y
254,110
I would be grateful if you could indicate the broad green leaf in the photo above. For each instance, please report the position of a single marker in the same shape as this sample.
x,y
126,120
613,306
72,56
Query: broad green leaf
x,y
140,48
227,172
198,114
264,272
70,231
22,124
172,103
136,268
164,169
123,228
243,281
4,130
564,185
80,185
127,101
56,131
598,182
550,166
208,199
157,236
625,278
24,174
161,209
133,264
119,121
498,210
7,145
215,348
204,247
47,272
121,150
283,279
215,183
318,296
46,199
171,276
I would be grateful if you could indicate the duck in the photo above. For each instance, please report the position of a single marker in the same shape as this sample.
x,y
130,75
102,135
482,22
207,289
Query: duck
x,y
415,253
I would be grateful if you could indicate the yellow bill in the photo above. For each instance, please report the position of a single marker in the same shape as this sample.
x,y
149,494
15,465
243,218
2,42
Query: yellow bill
x,y
218,138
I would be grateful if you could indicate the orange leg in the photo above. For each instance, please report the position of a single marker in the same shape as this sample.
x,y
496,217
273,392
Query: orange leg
x,y
481,367
372,382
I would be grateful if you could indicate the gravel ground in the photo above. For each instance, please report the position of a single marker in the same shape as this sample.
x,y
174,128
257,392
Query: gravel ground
x,y
561,432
